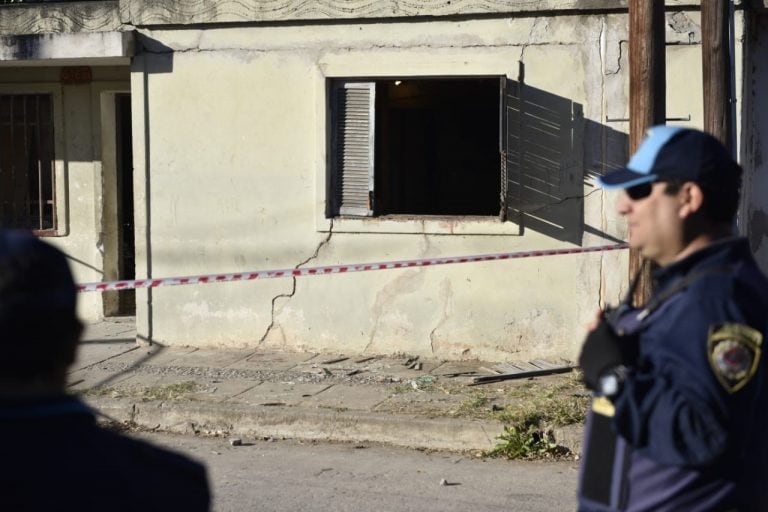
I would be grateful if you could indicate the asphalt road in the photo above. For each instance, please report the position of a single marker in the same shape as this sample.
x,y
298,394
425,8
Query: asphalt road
x,y
286,475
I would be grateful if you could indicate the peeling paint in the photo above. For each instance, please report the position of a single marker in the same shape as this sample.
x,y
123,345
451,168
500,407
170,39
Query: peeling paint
x,y
408,282
680,23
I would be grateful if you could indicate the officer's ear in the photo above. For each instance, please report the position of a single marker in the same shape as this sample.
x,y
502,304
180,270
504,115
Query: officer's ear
x,y
691,198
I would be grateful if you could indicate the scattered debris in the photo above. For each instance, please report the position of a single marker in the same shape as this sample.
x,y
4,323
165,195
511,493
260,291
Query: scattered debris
x,y
422,381
459,374
337,360
411,362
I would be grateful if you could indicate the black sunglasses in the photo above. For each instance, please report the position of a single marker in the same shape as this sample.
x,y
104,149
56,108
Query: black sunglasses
x,y
639,191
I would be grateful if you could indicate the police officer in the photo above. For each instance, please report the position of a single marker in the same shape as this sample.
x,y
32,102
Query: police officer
x,y
54,455
679,419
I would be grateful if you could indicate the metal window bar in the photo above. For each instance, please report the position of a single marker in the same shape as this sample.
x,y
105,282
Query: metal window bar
x,y
28,194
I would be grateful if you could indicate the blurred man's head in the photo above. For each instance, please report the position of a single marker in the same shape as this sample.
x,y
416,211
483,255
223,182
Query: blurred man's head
x,y
39,328
681,188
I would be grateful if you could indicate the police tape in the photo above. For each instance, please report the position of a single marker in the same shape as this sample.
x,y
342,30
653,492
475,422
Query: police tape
x,y
332,269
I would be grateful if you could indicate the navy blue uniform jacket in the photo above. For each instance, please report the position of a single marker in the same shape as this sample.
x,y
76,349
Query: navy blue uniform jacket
x,y
55,457
688,430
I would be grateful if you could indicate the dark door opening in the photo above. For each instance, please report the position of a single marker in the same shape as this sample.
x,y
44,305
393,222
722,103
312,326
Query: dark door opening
x,y
126,243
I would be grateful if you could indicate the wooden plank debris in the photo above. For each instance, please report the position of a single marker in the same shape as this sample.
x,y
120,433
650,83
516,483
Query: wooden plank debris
x,y
522,370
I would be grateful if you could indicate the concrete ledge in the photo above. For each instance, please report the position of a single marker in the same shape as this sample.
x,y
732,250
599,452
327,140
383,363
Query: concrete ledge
x,y
303,423
111,47
184,12
35,18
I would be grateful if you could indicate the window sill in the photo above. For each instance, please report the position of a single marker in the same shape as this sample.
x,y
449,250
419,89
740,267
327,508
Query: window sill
x,y
420,225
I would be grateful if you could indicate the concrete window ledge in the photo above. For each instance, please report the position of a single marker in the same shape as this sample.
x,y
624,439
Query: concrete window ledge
x,y
105,48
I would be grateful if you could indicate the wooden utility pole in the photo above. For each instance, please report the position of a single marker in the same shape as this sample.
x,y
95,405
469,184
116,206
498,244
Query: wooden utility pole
x,y
647,97
716,66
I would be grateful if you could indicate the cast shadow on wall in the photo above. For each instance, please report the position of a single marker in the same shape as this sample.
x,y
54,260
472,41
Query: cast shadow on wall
x,y
552,155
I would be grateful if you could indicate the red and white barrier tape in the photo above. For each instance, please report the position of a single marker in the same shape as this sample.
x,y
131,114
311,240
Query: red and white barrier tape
x,y
333,269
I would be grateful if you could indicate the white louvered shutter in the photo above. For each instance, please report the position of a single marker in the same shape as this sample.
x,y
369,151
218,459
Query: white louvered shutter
x,y
353,146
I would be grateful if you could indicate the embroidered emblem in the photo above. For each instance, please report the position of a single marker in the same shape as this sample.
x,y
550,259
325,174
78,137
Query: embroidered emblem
x,y
734,353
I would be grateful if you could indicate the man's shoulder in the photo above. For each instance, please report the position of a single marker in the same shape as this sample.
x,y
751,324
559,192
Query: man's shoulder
x,y
176,478
144,453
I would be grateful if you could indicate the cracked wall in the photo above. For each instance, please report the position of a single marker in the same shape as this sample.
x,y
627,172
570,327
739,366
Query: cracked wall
x,y
242,112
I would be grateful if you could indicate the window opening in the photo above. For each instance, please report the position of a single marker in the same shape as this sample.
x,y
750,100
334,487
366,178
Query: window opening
x,y
27,187
416,147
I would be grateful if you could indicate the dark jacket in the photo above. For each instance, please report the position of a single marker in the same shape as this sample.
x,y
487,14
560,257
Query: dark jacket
x,y
55,457
687,429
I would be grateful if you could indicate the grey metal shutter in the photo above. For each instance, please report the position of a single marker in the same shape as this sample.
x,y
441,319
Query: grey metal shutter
x,y
543,164
512,150
352,147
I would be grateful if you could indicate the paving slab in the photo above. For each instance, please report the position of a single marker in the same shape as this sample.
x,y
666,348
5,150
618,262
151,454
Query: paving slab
x,y
82,380
159,355
331,362
139,381
220,391
457,368
421,403
276,393
275,361
120,329
211,358
92,352
395,367
345,397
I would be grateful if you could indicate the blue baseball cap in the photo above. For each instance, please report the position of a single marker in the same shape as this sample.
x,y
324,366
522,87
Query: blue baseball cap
x,y
676,153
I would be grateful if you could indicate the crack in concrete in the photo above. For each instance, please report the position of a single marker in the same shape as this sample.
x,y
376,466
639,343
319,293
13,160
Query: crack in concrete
x,y
446,305
357,48
322,244
529,43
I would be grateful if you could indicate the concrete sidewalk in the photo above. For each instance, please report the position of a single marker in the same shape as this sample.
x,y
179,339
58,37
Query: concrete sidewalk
x,y
264,393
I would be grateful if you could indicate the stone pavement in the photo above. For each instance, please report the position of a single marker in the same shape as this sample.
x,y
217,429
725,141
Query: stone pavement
x,y
264,393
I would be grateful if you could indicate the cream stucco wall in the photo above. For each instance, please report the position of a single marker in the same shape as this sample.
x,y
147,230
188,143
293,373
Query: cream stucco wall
x,y
237,163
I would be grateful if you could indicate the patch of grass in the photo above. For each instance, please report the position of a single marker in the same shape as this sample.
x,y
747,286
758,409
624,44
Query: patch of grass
x,y
475,405
164,393
527,442
536,411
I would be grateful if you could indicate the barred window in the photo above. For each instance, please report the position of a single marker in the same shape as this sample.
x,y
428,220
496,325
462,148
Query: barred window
x,y
27,188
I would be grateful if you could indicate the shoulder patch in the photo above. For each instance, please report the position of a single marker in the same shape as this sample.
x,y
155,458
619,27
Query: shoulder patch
x,y
734,353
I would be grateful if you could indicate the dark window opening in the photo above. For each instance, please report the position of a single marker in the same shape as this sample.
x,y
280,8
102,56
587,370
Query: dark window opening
x,y
437,147
27,185
415,147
